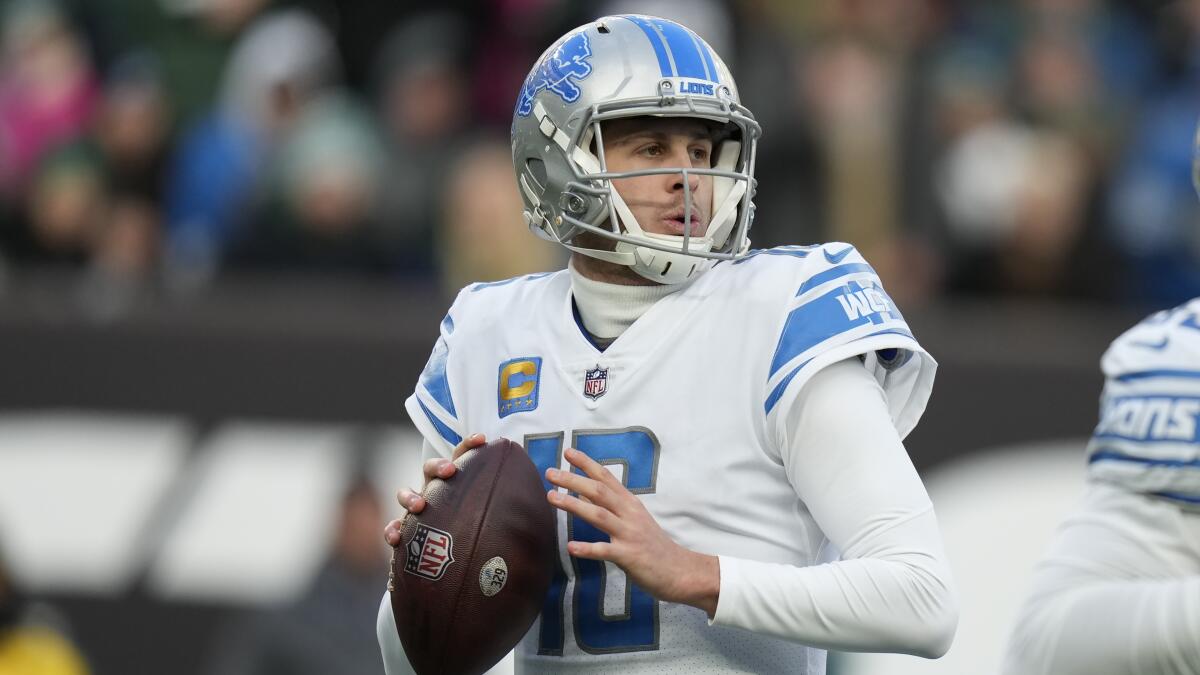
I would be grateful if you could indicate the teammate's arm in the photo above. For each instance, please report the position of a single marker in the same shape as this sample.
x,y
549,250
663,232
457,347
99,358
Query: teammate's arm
x,y
1117,593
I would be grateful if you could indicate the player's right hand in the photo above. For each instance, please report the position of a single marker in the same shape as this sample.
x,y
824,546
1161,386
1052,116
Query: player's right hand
x,y
438,467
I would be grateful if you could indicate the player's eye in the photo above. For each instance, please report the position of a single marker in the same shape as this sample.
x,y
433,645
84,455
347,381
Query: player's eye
x,y
652,150
700,154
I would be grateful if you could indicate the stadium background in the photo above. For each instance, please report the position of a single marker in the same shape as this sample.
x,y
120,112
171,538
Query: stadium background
x,y
229,228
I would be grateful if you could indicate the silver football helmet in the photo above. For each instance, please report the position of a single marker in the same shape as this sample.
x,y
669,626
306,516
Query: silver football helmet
x,y
627,66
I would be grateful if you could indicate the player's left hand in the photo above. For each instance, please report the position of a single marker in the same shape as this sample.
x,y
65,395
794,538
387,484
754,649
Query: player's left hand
x,y
641,548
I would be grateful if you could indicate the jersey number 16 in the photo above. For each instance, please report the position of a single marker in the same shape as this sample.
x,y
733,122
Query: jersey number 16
x,y
636,449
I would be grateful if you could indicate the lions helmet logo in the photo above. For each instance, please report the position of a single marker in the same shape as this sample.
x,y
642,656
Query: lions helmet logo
x,y
558,72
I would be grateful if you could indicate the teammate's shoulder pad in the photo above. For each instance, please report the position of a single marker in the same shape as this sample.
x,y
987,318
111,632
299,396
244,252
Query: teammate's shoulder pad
x,y
1164,342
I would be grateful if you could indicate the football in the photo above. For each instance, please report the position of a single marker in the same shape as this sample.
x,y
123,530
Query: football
x,y
472,569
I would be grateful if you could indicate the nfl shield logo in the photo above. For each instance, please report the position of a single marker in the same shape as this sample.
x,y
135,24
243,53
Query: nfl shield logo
x,y
595,382
430,552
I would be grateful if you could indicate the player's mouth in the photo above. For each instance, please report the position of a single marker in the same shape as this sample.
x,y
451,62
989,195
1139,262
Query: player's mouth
x,y
674,223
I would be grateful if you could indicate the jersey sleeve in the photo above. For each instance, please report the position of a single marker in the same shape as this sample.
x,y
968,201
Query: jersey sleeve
x,y
1148,436
431,406
839,309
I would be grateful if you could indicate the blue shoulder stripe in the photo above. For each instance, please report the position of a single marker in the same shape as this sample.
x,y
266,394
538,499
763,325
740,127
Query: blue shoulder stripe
x,y
434,379
443,430
842,309
793,251
834,273
777,392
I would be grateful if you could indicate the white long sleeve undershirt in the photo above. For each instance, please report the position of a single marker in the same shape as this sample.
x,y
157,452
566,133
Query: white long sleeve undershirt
x,y
891,590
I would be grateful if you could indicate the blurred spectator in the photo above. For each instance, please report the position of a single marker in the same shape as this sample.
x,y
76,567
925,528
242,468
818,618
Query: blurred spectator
x,y
1155,221
192,39
483,235
64,210
330,629
423,103
284,60
48,88
320,206
29,646
507,39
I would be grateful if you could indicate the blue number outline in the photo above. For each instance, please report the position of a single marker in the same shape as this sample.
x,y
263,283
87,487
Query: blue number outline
x,y
576,563
559,582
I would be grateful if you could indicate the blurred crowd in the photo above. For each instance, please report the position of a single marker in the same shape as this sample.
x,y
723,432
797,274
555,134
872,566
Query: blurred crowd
x,y
1034,147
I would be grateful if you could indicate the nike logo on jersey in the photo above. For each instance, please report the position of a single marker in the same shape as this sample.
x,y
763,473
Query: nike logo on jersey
x,y
1157,346
1150,418
837,258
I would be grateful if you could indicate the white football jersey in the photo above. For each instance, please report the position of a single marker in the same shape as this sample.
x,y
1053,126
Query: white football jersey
x,y
1147,439
685,407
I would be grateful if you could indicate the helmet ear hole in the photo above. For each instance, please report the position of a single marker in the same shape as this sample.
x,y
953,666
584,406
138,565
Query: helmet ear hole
x,y
537,171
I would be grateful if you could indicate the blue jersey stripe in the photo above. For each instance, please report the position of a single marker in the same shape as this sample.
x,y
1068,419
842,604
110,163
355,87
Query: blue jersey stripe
x,y
443,430
795,252
1147,374
1179,497
683,50
1109,455
820,319
475,288
777,392
434,379
839,271
656,41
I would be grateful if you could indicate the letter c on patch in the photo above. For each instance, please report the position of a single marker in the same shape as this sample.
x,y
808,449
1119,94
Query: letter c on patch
x,y
517,379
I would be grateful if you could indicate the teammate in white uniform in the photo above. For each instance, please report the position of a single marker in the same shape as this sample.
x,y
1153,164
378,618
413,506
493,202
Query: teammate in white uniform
x,y
733,417
1118,593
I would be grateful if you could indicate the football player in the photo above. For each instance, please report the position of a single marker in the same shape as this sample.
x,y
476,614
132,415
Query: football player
x,y
719,428
1118,592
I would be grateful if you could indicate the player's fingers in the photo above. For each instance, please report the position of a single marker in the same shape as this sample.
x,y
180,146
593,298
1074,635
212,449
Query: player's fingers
x,y
585,487
591,550
438,467
391,533
411,501
469,443
597,516
593,469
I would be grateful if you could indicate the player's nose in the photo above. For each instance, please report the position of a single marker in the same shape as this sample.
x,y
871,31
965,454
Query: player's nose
x,y
682,157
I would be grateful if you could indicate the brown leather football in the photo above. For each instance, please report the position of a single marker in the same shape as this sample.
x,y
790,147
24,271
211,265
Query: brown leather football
x,y
473,568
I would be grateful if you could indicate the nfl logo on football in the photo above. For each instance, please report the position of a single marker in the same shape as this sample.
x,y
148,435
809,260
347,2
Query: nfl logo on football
x,y
595,382
430,552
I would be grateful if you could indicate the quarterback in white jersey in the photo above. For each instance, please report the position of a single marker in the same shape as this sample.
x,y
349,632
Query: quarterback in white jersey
x,y
1118,593
732,417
